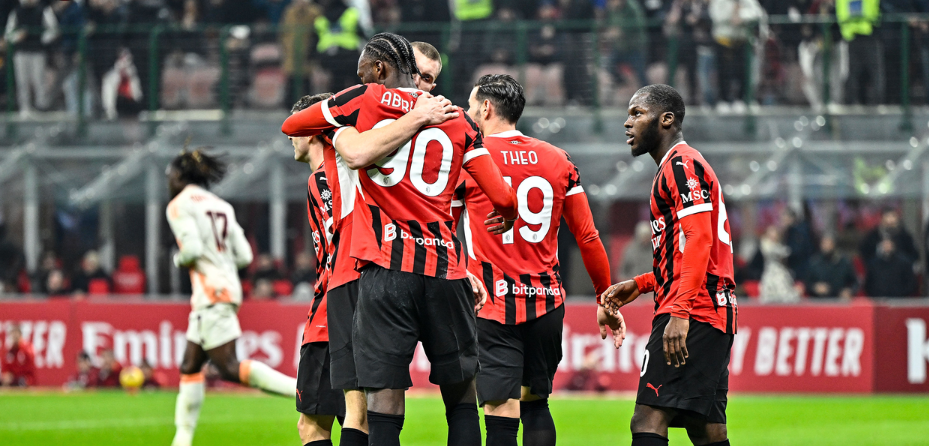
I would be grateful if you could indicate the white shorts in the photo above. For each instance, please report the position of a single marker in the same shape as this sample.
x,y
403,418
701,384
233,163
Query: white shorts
x,y
213,326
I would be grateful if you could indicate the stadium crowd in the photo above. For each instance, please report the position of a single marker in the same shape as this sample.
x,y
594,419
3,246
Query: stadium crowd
x,y
278,50
788,260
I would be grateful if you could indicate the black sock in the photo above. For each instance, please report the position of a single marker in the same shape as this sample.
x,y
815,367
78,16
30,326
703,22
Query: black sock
x,y
464,425
538,425
326,442
353,437
384,429
648,439
501,431
720,443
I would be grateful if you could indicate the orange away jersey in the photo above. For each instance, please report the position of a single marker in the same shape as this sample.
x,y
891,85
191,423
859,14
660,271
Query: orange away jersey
x,y
685,185
520,269
403,219
319,213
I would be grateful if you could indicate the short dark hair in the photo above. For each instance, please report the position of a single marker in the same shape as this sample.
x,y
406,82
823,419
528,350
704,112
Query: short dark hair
x,y
198,167
308,100
428,50
666,99
393,49
504,92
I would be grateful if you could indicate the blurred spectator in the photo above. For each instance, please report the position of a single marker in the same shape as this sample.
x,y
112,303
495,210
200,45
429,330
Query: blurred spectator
x,y
263,290
469,10
690,21
777,284
857,21
48,263
339,42
271,10
815,50
153,379
830,274
31,26
85,376
297,39
56,285
544,72
229,12
105,20
890,273
121,88
11,262
265,268
798,239
734,23
17,367
576,54
71,19
90,273
417,11
304,269
637,256
625,31
889,228
109,370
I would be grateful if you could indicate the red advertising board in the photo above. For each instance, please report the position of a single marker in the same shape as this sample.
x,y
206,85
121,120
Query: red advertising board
x,y
801,348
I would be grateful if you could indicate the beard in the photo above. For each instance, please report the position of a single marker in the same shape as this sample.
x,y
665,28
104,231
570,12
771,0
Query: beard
x,y
648,140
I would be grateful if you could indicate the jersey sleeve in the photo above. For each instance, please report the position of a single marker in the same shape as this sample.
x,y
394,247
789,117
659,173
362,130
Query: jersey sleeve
x,y
241,249
183,224
689,189
338,111
474,143
574,178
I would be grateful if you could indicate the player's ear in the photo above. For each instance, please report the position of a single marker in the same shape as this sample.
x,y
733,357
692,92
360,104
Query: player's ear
x,y
486,111
667,119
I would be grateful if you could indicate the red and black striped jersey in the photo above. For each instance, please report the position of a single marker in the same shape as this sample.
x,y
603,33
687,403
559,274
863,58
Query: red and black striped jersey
x,y
685,185
406,222
319,214
343,189
520,268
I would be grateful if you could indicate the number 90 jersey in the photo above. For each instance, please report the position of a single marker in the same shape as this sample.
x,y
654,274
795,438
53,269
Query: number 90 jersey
x,y
404,222
208,235
687,185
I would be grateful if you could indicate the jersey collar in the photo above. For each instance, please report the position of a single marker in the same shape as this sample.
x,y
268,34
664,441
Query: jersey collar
x,y
506,134
671,150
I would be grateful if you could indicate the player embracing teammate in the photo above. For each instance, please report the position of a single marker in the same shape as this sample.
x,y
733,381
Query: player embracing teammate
x,y
520,327
685,378
413,281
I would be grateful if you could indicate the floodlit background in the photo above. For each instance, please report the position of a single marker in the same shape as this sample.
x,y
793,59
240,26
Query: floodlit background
x,y
812,113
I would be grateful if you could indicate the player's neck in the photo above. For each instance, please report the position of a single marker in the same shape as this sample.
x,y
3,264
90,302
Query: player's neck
x,y
492,127
665,146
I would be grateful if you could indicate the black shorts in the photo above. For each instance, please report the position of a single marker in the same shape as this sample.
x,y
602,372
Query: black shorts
x,y
700,386
395,310
340,312
514,356
315,395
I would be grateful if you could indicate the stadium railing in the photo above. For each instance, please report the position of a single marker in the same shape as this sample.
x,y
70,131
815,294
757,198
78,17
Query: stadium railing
x,y
595,64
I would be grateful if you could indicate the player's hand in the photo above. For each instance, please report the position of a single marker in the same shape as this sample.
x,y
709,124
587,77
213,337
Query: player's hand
x,y
616,325
480,293
619,294
496,224
675,341
435,109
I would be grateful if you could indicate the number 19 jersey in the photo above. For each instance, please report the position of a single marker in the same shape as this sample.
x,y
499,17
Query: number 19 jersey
x,y
686,185
520,269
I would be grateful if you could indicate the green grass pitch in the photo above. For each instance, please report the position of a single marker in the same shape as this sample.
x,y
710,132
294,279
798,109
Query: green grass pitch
x,y
116,418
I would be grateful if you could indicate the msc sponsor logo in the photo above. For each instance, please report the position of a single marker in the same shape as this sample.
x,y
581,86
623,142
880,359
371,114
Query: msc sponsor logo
x,y
519,289
390,233
695,194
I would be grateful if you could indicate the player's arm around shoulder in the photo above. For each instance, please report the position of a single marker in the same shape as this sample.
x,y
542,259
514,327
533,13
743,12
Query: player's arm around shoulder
x,y
361,149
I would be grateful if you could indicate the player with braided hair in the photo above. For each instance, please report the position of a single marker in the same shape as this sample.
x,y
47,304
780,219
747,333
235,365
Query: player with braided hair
x,y
213,246
413,283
